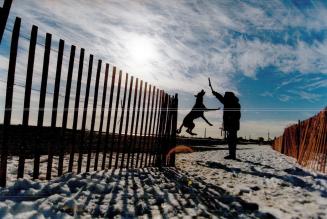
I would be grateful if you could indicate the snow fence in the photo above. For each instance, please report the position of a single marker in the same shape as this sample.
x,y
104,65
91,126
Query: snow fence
x,y
306,141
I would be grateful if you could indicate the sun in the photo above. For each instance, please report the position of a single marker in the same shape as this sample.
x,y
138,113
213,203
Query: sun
x,y
142,50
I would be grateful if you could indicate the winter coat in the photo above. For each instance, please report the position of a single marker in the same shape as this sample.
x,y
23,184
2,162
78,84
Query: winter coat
x,y
232,110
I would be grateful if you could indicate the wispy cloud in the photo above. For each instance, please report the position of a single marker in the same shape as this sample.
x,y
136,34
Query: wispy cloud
x,y
193,40
316,84
309,96
284,98
267,94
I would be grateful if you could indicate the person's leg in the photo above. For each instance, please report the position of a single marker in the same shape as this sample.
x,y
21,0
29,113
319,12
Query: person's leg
x,y
232,143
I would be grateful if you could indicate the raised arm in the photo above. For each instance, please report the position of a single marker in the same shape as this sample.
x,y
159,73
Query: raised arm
x,y
218,96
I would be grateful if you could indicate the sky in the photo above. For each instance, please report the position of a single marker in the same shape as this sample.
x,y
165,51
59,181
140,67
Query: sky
x,y
272,54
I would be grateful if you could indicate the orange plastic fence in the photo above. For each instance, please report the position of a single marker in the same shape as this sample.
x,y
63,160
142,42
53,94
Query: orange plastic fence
x,y
277,144
306,141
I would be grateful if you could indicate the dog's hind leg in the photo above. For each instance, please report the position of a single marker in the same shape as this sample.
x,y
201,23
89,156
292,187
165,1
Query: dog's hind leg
x,y
180,129
190,128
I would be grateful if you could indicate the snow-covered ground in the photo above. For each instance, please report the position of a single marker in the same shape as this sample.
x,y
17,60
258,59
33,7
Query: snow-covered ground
x,y
147,192
263,176
12,165
262,184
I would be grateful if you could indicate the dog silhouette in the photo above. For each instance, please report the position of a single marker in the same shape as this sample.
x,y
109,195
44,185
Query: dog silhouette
x,y
197,111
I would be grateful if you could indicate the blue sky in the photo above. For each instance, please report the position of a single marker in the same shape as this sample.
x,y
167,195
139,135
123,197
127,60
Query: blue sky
x,y
272,54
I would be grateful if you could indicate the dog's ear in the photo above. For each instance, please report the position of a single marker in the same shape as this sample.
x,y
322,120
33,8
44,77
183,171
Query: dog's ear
x,y
196,95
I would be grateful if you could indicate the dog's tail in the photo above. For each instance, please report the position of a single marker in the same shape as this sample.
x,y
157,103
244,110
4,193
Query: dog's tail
x,y
180,129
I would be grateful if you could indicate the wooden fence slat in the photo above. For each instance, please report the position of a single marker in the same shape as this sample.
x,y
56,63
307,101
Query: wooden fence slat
x,y
76,110
95,102
4,13
157,142
66,109
125,145
141,130
115,120
153,132
103,106
147,143
85,109
163,130
108,118
133,144
144,137
9,97
156,128
130,143
159,127
168,130
174,128
27,100
121,123
36,170
55,108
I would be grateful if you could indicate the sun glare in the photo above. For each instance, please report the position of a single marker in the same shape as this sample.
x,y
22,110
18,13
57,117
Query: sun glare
x,y
142,49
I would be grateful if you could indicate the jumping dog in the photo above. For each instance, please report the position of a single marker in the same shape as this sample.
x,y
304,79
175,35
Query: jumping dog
x,y
197,111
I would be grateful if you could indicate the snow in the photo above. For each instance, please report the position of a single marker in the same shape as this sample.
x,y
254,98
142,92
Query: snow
x,y
115,193
261,175
261,184
12,165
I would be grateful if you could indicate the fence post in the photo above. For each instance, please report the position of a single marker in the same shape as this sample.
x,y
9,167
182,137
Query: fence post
x,y
9,97
130,145
27,98
94,111
162,129
155,141
55,108
141,130
174,128
66,108
147,144
4,13
127,122
298,139
157,159
103,105
143,142
76,109
153,118
86,103
168,130
133,144
106,141
115,119
45,70
121,121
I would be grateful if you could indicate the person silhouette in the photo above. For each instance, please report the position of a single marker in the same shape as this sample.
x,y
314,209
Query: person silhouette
x,y
231,119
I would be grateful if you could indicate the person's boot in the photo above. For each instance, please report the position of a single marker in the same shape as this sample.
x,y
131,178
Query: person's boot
x,y
230,157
